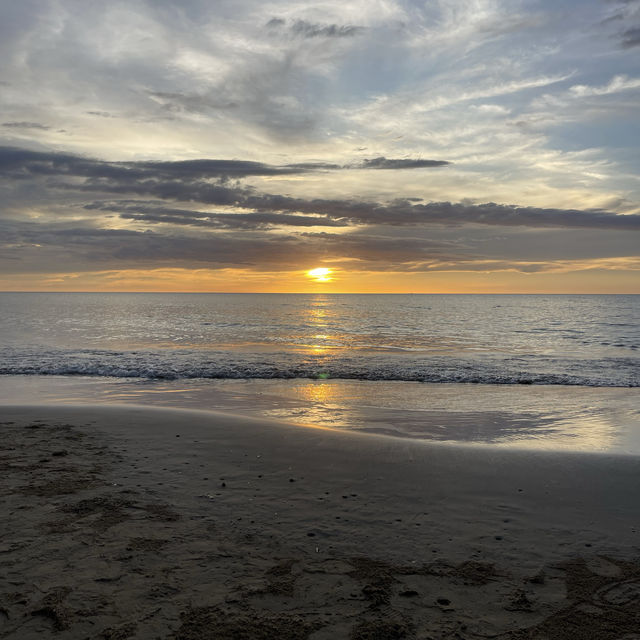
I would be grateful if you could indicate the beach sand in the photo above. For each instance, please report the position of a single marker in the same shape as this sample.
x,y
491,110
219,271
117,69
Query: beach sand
x,y
131,522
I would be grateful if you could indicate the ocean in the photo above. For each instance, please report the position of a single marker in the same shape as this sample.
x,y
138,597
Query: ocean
x,y
588,340
525,369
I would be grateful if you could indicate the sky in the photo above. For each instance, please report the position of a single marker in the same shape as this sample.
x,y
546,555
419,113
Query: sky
x,y
435,146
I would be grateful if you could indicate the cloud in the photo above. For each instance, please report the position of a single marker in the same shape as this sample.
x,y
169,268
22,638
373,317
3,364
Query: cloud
x,y
154,214
25,125
100,114
626,12
305,29
16,162
43,247
631,263
630,37
618,83
22,163
402,163
360,212
194,103
310,30
208,182
512,215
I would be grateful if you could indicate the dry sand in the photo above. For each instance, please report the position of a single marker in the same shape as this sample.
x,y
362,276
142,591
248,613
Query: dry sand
x,y
129,522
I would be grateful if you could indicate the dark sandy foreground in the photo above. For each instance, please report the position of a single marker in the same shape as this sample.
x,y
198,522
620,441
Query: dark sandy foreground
x,y
124,522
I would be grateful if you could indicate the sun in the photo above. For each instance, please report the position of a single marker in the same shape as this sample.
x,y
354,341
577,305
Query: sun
x,y
320,274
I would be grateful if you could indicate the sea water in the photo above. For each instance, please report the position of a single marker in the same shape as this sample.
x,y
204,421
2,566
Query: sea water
x,y
588,340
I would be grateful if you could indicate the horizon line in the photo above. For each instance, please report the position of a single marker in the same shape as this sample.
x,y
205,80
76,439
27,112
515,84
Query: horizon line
x,y
357,293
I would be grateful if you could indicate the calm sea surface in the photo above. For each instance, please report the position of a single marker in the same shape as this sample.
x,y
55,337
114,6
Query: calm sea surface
x,y
491,339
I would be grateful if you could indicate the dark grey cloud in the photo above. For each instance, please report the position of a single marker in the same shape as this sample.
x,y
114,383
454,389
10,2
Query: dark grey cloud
x,y
316,166
314,30
16,162
208,182
44,247
512,215
191,169
406,213
25,125
306,29
151,213
405,253
23,163
100,114
630,37
401,163
398,213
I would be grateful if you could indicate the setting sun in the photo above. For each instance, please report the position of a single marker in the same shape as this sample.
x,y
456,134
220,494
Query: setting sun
x,y
320,275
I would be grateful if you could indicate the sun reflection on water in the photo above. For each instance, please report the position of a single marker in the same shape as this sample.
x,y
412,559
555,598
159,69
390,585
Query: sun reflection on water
x,y
317,392
318,316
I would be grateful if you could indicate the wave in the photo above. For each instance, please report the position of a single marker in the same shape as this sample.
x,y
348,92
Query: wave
x,y
613,372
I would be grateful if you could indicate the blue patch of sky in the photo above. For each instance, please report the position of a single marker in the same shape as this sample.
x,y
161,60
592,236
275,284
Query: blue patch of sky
x,y
373,70
577,136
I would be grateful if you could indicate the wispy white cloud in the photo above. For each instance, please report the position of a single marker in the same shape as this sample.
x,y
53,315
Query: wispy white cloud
x,y
615,85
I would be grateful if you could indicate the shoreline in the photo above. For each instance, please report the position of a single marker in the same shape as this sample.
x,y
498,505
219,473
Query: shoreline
x,y
165,523
507,416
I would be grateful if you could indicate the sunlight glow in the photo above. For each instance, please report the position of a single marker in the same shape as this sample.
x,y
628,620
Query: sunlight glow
x,y
320,274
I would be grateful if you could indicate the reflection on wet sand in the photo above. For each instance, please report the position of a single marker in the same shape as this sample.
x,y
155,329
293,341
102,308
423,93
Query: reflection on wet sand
x,y
532,417
535,424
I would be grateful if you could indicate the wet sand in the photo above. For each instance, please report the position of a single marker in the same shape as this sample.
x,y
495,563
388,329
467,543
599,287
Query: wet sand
x,y
130,522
